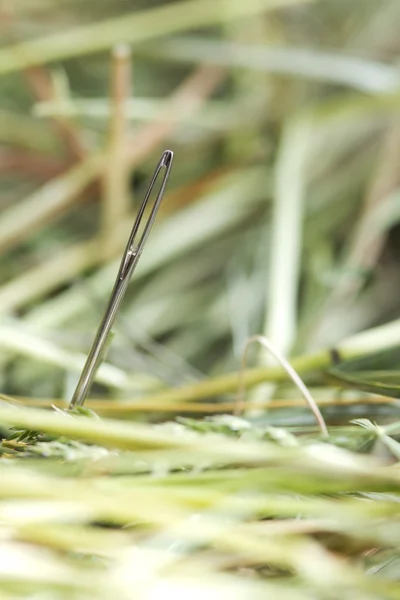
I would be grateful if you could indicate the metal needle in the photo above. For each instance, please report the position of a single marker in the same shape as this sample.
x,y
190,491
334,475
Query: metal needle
x,y
129,261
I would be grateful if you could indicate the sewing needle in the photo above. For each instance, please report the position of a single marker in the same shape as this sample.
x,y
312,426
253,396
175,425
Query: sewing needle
x,y
128,264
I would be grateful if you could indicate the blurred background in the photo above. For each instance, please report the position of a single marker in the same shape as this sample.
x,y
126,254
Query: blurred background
x,y
281,214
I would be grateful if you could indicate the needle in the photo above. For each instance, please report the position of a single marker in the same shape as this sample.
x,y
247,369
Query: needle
x,y
128,264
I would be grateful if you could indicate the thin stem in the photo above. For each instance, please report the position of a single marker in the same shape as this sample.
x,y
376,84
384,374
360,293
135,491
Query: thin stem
x,y
289,370
116,177
121,408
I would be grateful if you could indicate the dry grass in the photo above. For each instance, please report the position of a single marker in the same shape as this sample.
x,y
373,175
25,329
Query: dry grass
x,y
281,220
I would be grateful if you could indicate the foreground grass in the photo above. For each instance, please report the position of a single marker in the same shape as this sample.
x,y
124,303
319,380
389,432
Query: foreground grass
x,y
196,508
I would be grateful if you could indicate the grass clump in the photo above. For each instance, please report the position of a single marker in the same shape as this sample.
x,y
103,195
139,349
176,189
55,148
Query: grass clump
x,y
220,505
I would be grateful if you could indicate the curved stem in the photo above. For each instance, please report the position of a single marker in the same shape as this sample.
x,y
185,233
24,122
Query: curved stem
x,y
289,370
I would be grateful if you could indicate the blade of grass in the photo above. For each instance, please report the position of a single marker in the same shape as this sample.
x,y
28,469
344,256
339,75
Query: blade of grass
x,y
216,115
357,73
286,240
136,27
125,408
291,374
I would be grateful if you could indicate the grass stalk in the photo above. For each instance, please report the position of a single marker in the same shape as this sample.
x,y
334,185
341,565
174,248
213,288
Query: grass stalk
x,y
115,205
138,27
128,407
291,374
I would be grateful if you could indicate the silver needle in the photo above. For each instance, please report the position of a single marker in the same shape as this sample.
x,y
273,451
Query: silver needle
x,y
129,261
